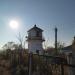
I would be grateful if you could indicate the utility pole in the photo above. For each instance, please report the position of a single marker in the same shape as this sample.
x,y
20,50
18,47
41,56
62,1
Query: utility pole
x,y
56,40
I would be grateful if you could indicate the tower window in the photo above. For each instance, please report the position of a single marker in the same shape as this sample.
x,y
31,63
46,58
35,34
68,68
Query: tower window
x,y
37,33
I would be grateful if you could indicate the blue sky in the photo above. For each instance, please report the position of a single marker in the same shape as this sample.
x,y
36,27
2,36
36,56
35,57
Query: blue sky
x,y
46,14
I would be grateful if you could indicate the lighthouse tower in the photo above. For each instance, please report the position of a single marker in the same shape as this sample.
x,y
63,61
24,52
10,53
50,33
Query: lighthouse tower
x,y
35,40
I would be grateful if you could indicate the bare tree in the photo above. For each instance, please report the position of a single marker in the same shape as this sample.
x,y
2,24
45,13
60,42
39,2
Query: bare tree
x,y
60,45
10,45
21,39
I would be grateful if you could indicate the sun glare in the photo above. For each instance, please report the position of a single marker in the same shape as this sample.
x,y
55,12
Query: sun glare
x,y
14,24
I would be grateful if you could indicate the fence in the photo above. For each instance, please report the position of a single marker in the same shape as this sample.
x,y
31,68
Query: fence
x,y
21,63
49,65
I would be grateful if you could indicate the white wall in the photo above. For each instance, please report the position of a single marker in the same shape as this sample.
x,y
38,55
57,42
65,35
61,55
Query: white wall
x,y
35,45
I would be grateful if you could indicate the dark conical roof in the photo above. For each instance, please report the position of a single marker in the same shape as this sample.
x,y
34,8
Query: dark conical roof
x,y
35,28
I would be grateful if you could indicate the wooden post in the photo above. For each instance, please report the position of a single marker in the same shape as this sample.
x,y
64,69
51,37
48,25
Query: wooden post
x,y
62,69
30,63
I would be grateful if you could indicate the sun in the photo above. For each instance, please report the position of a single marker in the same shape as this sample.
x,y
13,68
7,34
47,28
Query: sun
x,y
14,24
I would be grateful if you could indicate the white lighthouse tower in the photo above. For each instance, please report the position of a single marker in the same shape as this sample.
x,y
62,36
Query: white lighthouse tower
x,y
35,40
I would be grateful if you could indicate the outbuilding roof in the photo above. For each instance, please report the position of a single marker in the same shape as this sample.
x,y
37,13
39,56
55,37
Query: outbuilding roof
x,y
67,48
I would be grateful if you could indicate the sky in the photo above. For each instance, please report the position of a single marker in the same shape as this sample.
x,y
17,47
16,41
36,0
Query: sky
x,y
46,14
